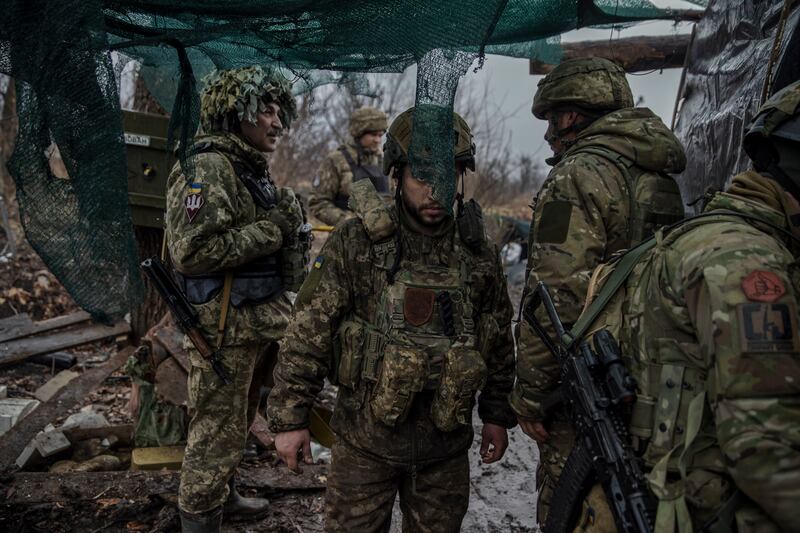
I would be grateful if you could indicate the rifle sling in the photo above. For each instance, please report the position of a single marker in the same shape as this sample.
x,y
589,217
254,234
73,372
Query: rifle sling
x,y
226,300
621,272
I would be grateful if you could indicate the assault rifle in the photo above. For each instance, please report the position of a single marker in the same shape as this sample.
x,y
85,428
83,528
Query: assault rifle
x,y
185,314
595,386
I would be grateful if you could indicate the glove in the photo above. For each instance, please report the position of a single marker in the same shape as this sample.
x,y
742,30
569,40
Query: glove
x,y
287,213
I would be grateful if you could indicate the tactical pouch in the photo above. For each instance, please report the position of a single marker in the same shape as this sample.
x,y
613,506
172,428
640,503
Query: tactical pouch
x,y
470,224
294,258
349,353
463,374
402,376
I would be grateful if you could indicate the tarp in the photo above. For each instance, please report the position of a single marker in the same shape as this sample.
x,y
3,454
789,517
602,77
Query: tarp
x,y
726,68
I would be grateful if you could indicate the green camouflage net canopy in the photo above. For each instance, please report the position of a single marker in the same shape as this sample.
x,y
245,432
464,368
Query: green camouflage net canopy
x,y
77,216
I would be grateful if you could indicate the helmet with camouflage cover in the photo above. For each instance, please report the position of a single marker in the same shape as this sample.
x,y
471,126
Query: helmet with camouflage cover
x,y
772,140
241,94
592,84
365,119
398,140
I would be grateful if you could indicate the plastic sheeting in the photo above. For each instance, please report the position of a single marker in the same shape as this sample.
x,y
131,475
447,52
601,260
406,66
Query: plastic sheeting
x,y
726,69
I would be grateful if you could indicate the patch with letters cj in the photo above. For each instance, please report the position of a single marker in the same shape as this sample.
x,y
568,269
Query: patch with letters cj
x,y
418,305
763,286
768,327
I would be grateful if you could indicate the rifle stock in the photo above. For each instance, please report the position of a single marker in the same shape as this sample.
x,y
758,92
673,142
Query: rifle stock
x,y
185,314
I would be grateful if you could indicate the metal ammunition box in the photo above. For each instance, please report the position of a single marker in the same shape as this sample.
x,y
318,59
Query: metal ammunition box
x,y
149,164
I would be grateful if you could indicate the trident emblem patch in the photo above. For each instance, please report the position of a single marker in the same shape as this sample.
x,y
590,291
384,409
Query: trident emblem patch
x,y
193,204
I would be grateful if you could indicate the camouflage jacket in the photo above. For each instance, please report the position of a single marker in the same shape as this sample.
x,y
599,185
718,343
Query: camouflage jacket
x,y
348,282
227,230
710,314
583,214
333,182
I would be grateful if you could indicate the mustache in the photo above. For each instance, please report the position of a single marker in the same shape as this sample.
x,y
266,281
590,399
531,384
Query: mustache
x,y
275,133
431,205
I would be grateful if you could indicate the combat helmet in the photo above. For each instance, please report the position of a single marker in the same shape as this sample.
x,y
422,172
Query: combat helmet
x,y
365,119
242,93
594,85
398,140
772,140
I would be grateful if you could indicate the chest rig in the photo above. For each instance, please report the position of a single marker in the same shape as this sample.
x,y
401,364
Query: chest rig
x,y
373,173
422,335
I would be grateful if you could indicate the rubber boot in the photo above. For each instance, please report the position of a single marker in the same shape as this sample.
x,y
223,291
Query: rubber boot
x,y
208,522
240,508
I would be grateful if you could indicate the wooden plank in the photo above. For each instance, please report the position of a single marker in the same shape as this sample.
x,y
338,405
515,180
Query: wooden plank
x,y
35,328
21,349
15,439
634,54
28,488
13,326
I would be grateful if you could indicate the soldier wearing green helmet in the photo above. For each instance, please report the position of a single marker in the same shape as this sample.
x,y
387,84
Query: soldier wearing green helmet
x,y
406,309
237,244
609,188
358,159
707,320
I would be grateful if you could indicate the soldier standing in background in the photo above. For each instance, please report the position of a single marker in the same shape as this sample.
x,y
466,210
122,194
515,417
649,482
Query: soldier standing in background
x,y
349,163
407,310
236,243
609,189
708,325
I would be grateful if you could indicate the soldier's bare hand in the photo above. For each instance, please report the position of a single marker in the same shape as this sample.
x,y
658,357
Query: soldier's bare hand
x,y
534,429
494,441
290,443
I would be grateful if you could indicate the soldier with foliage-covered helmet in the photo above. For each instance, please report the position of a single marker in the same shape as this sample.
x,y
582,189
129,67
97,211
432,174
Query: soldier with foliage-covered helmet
x,y
357,159
707,322
610,187
237,244
406,309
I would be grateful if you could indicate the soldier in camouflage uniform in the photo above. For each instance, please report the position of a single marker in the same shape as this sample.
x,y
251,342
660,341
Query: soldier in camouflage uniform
x,y
226,220
708,325
408,313
609,189
351,162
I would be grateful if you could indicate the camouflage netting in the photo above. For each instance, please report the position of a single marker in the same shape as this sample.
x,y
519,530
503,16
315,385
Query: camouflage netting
x,y
76,215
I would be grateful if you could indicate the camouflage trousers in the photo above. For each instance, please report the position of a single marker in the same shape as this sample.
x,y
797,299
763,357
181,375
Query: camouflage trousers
x,y
362,490
552,456
221,419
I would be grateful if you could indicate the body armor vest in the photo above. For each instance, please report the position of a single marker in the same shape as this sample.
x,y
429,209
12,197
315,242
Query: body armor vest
x,y
422,336
373,173
263,278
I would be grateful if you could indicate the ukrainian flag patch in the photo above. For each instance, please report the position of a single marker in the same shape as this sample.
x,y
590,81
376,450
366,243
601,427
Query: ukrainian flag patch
x,y
195,188
318,262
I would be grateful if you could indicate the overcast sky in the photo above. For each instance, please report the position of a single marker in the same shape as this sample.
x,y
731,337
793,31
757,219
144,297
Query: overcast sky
x,y
510,82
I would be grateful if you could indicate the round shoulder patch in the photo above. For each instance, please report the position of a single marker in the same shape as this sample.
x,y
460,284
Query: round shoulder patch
x,y
763,286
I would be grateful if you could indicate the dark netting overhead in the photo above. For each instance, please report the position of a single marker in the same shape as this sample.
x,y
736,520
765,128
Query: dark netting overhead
x,y
76,214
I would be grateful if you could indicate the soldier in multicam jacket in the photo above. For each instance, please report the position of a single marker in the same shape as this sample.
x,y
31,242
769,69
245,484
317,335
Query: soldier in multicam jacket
x,y
609,188
708,325
411,319
225,218
351,162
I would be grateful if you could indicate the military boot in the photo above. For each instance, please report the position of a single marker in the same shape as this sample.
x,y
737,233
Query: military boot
x,y
208,522
239,507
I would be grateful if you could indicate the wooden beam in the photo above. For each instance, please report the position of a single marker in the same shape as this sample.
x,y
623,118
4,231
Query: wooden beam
x,y
29,488
16,438
634,54
26,328
21,349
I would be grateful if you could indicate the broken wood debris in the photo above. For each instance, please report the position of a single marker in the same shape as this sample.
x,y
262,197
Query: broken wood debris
x,y
27,488
14,441
25,347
